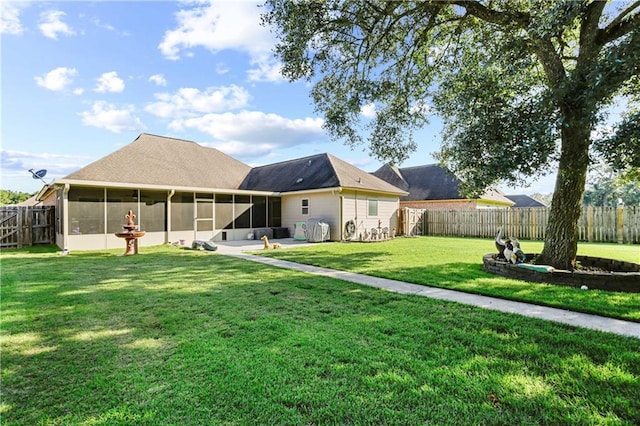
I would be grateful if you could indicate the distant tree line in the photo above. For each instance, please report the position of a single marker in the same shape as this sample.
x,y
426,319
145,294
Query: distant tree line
x,y
608,188
8,197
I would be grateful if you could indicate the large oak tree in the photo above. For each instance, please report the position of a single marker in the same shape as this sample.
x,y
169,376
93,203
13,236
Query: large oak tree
x,y
521,86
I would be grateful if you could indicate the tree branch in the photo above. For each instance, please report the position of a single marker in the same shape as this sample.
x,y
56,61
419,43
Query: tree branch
x,y
482,12
621,25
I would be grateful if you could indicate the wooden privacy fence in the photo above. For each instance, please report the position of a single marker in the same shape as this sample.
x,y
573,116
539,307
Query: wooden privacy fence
x,y
26,226
597,224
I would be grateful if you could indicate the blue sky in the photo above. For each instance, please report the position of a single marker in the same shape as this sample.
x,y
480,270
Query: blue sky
x,y
82,79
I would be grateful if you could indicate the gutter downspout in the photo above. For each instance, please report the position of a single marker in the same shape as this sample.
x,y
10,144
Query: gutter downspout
x,y
65,218
169,205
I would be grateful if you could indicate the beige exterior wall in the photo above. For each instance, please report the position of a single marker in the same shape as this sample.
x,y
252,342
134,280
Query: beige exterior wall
x,y
356,208
323,205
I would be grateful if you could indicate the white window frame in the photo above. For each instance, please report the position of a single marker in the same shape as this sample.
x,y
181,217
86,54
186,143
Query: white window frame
x,y
371,203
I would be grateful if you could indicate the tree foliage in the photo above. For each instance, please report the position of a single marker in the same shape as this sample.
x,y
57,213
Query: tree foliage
x,y
520,84
8,197
605,187
499,74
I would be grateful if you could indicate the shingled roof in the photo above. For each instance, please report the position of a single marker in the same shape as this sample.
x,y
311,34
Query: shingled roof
x,y
319,171
163,161
430,182
167,162
523,201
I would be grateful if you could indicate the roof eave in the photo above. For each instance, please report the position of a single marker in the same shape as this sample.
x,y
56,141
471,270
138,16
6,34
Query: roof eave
x,y
161,187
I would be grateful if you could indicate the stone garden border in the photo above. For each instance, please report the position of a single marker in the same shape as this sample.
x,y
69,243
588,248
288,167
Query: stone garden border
x,y
624,276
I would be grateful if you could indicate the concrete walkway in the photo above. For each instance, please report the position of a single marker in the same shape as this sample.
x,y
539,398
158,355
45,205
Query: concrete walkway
x,y
595,322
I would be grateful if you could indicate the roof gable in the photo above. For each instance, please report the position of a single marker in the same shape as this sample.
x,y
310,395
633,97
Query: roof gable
x,y
314,172
428,182
432,182
164,161
300,174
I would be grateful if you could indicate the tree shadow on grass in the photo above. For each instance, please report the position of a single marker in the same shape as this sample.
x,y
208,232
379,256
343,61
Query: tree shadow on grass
x,y
187,337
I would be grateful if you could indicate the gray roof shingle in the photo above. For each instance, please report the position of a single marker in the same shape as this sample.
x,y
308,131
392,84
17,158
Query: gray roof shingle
x,y
523,201
314,172
430,182
164,161
169,162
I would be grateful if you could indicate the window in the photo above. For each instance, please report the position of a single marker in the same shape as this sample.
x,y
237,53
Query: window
x,y
259,212
119,202
243,212
153,210
182,211
373,208
224,211
86,211
305,206
275,212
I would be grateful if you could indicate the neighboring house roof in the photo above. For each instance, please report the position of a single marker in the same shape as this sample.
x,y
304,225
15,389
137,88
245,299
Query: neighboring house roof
x,y
431,182
168,162
319,171
163,161
523,201
32,201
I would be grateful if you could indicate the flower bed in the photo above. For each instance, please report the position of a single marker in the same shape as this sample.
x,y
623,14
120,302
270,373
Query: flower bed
x,y
595,273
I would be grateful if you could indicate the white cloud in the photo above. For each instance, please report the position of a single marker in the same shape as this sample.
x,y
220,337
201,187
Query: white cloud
x,y
188,102
57,79
268,68
17,163
224,25
109,82
368,110
106,116
51,24
158,79
254,132
10,18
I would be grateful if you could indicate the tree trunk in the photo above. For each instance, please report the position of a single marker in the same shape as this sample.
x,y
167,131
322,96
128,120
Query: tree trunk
x,y
561,239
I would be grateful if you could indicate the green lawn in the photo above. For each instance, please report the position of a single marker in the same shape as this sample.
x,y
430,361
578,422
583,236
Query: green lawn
x,y
182,337
456,263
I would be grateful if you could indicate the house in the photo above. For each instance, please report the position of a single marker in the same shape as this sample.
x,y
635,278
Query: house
x,y
525,201
180,190
433,187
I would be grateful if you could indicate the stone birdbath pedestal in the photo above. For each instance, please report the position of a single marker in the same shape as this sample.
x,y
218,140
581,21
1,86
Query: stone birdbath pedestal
x,y
130,235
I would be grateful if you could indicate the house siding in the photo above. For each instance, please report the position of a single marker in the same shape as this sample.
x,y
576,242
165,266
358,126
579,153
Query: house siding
x,y
324,205
355,207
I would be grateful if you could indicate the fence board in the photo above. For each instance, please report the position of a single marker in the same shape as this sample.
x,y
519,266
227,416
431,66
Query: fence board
x,y
599,224
26,225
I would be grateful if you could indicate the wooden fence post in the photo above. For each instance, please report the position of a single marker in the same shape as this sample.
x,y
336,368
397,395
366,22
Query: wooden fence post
x,y
590,223
620,223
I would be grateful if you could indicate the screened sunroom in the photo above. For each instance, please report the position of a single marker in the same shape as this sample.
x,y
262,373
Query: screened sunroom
x,y
92,215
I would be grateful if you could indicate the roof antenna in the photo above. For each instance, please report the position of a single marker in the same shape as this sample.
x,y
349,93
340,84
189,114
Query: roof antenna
x,y
39,175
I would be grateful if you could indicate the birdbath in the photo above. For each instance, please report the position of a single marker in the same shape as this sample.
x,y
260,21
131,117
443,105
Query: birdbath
x,y
130,234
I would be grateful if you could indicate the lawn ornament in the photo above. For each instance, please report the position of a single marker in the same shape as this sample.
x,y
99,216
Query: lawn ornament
x,y
204,245
130,234
500,244
268,245
513,253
